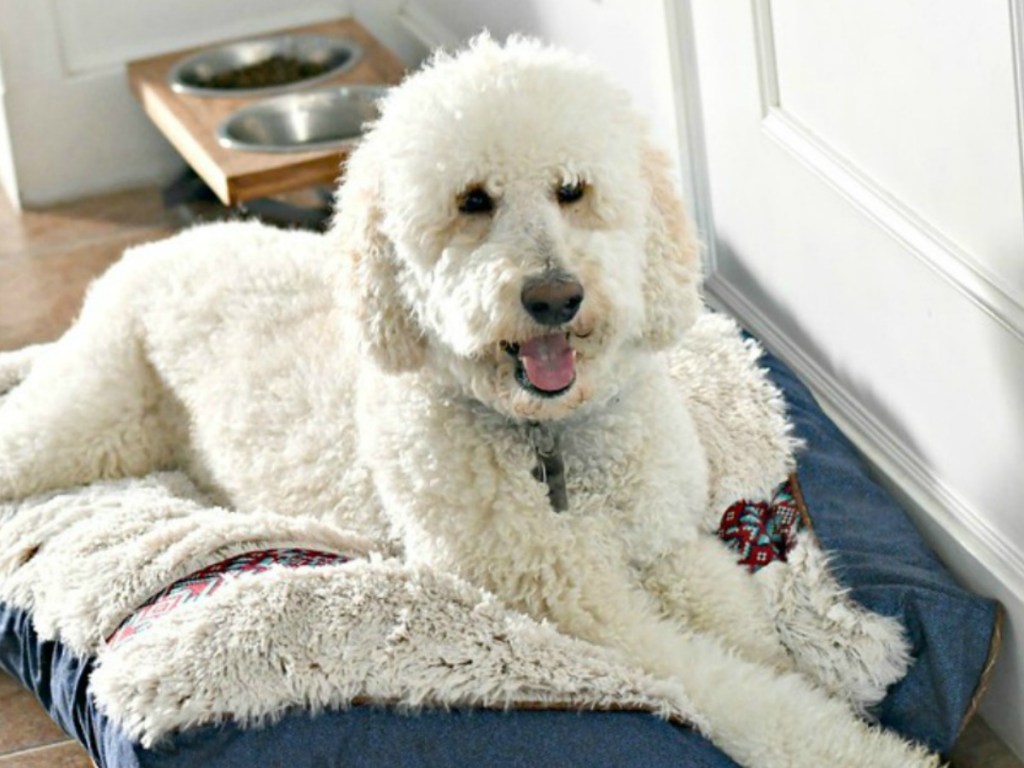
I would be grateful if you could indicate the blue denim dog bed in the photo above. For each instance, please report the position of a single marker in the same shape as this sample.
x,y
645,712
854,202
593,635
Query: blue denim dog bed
x,y
877,553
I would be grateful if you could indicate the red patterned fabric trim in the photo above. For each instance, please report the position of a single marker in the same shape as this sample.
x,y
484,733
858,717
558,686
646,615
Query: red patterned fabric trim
x,y
763,531
202,584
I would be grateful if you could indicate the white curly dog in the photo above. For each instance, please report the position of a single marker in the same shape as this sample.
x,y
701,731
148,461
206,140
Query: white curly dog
x,y
468,365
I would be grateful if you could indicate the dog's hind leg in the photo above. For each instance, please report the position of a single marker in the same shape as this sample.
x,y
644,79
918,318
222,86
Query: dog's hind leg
x,y
90,407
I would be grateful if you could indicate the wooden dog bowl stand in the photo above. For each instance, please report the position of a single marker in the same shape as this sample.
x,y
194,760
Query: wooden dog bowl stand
x,y
190,122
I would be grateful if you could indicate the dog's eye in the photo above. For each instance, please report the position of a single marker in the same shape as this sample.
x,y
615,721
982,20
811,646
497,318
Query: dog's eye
x,y
476,200
570,193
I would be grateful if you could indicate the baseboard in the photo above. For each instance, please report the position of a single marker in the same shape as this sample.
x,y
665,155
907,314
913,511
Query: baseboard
x,y
972,551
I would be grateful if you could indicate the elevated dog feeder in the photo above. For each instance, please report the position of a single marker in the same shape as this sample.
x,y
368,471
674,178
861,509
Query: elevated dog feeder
x,y
349,58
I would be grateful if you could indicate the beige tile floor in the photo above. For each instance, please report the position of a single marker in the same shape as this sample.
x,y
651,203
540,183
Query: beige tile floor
x,y
47,259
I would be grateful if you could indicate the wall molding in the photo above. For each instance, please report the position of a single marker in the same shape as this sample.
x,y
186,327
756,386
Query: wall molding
x,y
1017,41
764,47
926,243
693,154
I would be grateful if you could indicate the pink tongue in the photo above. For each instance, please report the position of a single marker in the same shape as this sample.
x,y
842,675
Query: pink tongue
x,y
549,362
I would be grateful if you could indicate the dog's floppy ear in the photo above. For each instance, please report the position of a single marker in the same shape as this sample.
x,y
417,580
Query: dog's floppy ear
x,y
671,282
390,332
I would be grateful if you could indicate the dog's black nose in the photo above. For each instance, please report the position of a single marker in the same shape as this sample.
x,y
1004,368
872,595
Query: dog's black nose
x,y
552,298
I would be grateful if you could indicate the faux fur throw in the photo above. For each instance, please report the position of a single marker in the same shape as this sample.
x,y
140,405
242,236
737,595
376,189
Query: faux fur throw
x,y
375,629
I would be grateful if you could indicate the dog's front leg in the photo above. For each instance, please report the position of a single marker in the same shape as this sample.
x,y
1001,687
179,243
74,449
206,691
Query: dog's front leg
x,y
459,489
571,573
701,586
761,716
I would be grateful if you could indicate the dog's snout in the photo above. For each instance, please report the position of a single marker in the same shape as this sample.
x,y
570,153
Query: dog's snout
x,y
552,299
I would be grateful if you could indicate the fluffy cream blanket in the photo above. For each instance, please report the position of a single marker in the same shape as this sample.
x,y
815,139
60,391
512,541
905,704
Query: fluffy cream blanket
x,y
375,629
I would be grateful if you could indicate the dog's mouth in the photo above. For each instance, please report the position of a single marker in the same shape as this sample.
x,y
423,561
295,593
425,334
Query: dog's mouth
x,y
545,365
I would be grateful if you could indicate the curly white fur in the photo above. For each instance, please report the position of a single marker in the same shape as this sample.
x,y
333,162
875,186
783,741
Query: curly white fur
x,y
364,378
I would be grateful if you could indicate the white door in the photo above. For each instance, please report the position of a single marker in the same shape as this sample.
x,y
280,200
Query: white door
x,y
863,161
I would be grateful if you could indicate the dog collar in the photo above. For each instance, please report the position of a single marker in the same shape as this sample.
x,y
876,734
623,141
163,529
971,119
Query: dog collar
x,y
550,468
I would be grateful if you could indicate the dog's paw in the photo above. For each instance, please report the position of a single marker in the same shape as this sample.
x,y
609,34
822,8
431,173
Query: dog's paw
x,y
853,653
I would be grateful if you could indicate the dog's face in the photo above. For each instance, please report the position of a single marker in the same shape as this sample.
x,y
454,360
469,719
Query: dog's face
x,y
512,231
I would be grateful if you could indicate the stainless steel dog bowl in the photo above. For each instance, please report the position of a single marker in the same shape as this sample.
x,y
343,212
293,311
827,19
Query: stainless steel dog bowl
x,y
264,66
328,118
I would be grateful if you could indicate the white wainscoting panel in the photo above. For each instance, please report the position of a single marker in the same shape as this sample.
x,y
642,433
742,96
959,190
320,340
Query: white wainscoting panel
x,y
920,237
871,78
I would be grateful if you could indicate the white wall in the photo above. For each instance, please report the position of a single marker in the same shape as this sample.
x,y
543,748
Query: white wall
x,y
74,128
